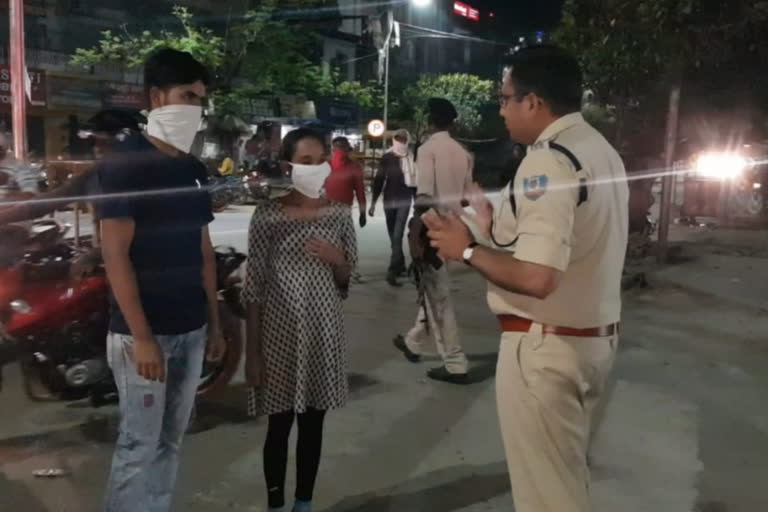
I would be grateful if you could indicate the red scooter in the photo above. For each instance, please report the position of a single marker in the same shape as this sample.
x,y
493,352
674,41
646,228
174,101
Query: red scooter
x,y
56,324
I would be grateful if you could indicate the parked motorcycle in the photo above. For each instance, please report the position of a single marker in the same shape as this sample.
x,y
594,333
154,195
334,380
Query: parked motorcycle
x,y
227,190
57,324
266,182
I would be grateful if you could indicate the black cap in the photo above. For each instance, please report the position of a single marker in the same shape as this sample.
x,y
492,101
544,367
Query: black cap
x,y
442,111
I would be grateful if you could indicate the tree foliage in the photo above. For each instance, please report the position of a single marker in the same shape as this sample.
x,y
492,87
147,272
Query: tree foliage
x,y
627,46
259,54
470,95
132,49
266,53
633,50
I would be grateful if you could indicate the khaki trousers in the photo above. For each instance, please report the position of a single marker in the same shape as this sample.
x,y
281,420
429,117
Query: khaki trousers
x,y
547,387
443,335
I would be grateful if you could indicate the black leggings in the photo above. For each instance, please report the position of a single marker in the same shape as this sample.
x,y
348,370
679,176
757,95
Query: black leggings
x,y
308,449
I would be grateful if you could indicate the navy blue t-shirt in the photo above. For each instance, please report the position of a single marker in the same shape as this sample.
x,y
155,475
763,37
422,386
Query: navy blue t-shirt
x,y
167,199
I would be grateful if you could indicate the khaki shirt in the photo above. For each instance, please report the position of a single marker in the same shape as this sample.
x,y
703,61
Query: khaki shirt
x,y
586,241
443,171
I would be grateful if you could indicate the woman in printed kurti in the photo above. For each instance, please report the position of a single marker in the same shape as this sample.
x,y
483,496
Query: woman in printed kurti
x,y
302,250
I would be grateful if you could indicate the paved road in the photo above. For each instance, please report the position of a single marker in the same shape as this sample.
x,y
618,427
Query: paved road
x,y
686,427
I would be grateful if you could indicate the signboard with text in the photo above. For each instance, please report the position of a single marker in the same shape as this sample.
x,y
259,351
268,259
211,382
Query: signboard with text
x,y
340,113
37,83
466,11
65,91
122,95
265,106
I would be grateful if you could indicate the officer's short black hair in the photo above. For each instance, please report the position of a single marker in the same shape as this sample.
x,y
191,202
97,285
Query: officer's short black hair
x,y
442,113
168,68
551,73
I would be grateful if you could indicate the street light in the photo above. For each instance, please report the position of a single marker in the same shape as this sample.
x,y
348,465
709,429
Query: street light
x,y
391,26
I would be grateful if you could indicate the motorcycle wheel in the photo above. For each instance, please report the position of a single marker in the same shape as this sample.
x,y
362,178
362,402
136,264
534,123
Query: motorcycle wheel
x,y
216,376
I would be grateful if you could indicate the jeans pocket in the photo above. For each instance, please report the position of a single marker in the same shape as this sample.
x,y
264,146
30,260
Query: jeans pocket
x,y
110,341
118,350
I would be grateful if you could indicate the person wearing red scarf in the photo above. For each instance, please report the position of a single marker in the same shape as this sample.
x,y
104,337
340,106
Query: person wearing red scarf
x,y
346,180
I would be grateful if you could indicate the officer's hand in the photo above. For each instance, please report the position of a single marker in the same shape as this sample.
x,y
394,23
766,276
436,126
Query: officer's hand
x,y
483,217
447,234
372,210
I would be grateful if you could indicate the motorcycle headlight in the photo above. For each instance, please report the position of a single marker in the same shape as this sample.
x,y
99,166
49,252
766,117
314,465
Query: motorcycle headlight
x,y
721,166
20,306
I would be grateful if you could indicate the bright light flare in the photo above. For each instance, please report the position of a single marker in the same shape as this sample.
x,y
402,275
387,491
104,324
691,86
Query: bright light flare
x,y
723,166
421,3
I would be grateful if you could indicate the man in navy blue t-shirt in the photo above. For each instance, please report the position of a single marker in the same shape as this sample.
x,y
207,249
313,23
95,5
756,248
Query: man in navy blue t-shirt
x,y
161,267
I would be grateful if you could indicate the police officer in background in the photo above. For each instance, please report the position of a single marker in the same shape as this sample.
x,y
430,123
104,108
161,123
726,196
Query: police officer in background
x,y
443,179
554,257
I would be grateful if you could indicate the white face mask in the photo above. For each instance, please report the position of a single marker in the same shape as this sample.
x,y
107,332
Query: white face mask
x,y
175,125
399,148
310,179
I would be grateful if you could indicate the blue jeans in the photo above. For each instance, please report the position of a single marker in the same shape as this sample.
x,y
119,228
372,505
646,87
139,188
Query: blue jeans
x,y
154,417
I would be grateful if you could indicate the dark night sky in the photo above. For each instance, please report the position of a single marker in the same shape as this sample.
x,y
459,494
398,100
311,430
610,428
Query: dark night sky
x,y
532,14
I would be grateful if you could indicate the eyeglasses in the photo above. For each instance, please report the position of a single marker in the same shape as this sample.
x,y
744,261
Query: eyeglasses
x,y
504,99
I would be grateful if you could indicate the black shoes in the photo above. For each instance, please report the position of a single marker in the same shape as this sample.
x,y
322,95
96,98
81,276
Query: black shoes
x,y
440,374
399,343
443,375
392,281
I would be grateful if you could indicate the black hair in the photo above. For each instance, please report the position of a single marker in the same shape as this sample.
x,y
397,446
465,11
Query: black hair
x,y
292,139
440,123
442,113
551,73
340,140
168,68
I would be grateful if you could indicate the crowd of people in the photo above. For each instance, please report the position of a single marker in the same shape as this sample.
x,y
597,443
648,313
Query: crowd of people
x,y
551,247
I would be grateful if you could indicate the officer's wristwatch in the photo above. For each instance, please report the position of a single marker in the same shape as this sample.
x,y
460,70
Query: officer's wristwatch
x,y
468,252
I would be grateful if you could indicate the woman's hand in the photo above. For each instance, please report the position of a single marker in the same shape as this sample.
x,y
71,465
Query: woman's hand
x,y
326,252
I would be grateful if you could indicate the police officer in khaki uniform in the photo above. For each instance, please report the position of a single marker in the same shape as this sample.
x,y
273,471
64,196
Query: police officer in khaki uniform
x,y
554,258
443,178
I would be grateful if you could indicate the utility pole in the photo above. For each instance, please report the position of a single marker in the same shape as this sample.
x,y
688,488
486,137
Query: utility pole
x,y
387,47
18,79
667,181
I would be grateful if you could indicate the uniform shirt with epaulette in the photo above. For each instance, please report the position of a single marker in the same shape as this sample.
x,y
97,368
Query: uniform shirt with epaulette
x,y
567,209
